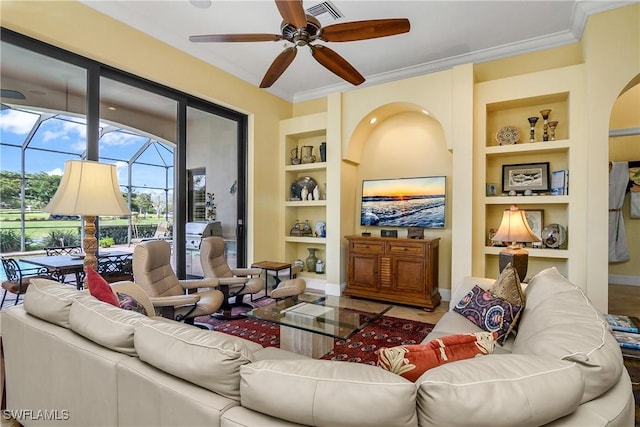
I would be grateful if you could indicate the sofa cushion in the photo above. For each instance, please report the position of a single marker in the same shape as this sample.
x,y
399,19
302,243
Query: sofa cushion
x,y
209,359
411,361
100,288
499,390
104,324
51,301
328,393
466,285
491,313
560,322
508,287
127,302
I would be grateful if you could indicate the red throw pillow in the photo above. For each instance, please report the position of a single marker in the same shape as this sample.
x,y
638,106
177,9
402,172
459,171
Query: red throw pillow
x,y
99,288
411,361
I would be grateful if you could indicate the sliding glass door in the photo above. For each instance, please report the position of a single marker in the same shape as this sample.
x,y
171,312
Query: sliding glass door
x,y
151,132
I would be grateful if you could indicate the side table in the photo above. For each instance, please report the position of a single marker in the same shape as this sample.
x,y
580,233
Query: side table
x,y
272,266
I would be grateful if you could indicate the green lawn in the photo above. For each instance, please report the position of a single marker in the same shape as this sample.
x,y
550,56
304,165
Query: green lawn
x,y
38,226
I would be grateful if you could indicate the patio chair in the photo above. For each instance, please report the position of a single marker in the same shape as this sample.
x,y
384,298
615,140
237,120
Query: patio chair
x,y
161,233
68,276
18,279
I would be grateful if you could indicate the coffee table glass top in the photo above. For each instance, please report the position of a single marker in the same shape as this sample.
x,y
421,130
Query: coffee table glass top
x,y
332,316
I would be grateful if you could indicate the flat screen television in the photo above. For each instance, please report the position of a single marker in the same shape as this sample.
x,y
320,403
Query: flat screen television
x,y
404,202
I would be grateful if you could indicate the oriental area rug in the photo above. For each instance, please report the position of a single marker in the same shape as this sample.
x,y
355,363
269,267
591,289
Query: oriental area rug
x,y
361,347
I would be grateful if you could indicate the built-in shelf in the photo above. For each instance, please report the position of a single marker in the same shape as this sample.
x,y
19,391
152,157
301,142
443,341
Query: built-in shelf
x,y
310,240
533,252
526,200
510,102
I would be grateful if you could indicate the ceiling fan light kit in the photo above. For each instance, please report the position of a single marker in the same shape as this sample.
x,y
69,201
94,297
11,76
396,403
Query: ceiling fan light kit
x,y
302,29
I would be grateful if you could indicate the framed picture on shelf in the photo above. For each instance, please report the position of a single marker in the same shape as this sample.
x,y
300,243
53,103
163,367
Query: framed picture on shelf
x,y
535,218
492,189
525,176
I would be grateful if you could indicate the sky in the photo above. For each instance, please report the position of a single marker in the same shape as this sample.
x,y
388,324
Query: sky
x,y
404,187
68,134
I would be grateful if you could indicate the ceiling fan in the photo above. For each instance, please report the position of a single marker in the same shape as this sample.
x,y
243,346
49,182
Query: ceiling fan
x,y
302,30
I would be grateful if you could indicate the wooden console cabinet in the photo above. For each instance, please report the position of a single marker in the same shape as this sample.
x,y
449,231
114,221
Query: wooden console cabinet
x,y
398,270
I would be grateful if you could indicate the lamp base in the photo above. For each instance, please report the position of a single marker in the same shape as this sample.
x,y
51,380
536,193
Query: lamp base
x,y
89,246
519,259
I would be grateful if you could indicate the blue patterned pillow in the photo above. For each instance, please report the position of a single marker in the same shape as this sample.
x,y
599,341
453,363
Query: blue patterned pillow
x,y
489,312
127,302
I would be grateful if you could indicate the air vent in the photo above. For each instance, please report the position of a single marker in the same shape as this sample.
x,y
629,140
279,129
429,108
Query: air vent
x,y
325,12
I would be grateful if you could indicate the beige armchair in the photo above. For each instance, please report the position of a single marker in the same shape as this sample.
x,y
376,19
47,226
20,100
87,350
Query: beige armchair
x,y
241,281
153,272
234,283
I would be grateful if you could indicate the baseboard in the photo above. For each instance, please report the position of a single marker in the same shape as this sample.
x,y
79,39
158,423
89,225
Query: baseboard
x,y
619,279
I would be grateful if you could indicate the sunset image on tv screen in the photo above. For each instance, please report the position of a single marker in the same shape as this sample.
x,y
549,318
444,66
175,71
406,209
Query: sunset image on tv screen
x,y
404,202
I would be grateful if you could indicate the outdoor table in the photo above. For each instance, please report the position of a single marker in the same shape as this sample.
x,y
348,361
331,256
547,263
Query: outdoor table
x,y
61,265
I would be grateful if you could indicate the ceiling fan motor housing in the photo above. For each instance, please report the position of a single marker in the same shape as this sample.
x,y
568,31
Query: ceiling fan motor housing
x,y
302,36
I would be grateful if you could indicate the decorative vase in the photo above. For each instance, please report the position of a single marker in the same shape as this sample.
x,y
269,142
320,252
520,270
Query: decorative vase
x,y
304,193
307,154
545,129
552,129
295,160
532,131
319,266
323,151
316,193
311,260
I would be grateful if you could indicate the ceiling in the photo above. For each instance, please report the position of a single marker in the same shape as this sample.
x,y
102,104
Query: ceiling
x,y
443,34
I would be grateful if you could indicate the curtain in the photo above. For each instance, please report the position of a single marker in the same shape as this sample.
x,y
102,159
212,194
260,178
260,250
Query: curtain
x,y
618,180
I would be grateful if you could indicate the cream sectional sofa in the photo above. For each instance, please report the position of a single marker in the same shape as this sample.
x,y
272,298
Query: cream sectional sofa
x,y
99,365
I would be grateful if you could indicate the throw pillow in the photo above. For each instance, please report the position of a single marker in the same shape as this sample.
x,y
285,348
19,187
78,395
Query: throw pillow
x,y
127,302
99,288
411,361
508,286
489,312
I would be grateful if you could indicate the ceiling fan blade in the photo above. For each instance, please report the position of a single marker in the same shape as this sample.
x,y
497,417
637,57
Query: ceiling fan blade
x,y
336,64
278,66
363,30
237,38
292,12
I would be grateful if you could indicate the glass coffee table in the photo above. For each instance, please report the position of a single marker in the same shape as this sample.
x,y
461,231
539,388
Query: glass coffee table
x,y
310,323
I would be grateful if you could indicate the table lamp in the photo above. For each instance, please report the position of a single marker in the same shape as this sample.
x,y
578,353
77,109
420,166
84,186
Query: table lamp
x,y
89,189
514,228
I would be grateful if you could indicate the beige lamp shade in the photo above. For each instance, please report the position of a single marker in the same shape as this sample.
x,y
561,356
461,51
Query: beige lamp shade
x,y
88,188
514,228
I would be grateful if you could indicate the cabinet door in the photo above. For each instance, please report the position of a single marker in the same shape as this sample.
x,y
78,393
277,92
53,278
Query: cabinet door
x,y
409,275
363,271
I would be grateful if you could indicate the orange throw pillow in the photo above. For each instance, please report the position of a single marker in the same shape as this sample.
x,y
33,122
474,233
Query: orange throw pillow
x,y
411,361
99,288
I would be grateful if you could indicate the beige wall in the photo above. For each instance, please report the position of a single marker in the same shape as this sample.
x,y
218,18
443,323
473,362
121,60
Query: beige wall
x,y
612,58
80,29
403,142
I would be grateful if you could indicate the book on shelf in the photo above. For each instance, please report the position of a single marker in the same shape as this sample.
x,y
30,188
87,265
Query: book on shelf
x,y
627,339
560,182
622,323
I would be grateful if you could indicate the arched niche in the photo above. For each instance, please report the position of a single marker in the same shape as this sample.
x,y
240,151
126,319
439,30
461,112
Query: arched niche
x,y
353,149
404,141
